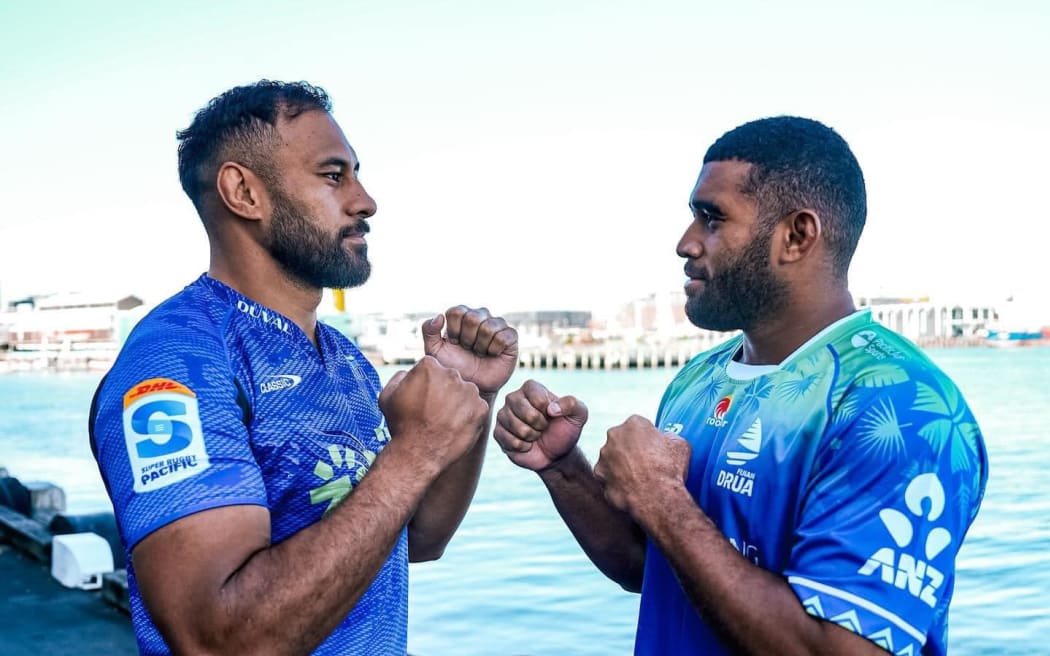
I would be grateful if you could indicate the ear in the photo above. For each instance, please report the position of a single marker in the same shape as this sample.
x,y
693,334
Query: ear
x,y
242,192
799,234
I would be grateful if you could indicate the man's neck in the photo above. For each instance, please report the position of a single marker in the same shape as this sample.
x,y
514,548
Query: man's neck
x,y
773,341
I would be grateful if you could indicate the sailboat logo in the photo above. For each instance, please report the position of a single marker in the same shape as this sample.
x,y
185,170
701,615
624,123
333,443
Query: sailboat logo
x,y
750,443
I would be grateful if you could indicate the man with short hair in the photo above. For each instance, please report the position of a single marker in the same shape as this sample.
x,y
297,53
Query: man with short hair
x,y
807,484
269,492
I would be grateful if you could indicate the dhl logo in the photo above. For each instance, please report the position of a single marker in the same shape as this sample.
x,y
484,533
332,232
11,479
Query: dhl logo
x,y
154,385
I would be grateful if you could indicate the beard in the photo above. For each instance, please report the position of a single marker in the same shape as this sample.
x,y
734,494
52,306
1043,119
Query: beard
x,y
741,296
309,255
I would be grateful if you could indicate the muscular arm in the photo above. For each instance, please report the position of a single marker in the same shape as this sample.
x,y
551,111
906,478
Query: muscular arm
x,y
754,610
610,538
446,502
539,431
484,350
215,585
643,472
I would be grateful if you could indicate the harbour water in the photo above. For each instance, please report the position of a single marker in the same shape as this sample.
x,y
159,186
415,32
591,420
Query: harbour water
x,y
513,581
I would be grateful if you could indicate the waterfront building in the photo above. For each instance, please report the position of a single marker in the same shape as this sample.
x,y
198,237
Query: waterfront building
x,y
928,322
68,330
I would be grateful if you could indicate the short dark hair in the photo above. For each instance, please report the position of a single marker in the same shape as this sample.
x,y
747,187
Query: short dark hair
x,y
240,125
798,163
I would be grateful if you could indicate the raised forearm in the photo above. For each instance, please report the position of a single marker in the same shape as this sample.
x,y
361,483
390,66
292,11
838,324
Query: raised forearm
x,y
754,611
613,542
446,502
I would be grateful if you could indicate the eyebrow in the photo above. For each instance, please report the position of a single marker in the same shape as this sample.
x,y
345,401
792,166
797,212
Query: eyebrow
x,y
339,162
708,207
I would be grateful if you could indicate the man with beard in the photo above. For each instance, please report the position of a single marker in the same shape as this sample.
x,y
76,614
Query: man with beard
x,y
269,493
812,478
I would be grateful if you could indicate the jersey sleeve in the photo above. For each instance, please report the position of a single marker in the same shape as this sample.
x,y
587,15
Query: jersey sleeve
x,y
893,490
170,434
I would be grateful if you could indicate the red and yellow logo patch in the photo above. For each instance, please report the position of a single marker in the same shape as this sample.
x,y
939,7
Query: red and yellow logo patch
x,y
153,386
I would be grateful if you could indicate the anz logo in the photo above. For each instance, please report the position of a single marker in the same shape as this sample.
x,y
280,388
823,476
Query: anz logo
x,y
924,499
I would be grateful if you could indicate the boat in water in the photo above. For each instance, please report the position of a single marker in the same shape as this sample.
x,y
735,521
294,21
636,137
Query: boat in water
x,y
1019,324
1018,337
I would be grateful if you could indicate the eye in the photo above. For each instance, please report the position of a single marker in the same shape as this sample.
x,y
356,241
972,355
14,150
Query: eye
x,y
334,176
711,220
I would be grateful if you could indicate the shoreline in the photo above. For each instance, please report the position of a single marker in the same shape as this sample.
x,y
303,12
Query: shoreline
x,y
607,355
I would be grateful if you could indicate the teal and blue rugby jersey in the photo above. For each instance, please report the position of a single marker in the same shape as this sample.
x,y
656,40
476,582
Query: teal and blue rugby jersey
x,y
853,470
215,401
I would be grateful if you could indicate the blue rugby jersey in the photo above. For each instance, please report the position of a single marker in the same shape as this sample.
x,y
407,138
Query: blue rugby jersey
x,y
214,401
854,469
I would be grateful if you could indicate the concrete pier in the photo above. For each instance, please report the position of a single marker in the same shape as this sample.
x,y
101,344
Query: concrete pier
x,y
41,616
606,358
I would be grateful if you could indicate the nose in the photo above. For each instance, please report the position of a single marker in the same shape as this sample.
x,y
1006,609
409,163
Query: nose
x,y
361,205
690,246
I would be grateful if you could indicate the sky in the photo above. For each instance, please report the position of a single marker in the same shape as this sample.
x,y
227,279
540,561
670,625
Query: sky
x,y
536,154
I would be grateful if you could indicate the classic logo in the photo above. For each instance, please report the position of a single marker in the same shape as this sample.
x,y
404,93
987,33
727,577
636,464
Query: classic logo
x,y
721,408
162,433
674,428
279,382
901,569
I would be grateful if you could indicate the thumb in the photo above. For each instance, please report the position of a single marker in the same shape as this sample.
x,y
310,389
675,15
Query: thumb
x,y
569,407
431,330
390,389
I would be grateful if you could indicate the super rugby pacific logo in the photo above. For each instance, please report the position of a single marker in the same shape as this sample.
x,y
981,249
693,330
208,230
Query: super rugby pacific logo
x,y
162,432
721,409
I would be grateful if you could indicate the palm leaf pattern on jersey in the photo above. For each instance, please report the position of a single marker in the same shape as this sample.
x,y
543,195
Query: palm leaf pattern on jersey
x,y
883,376
846,404
798,386
880,430
953,427
845,412
691,377
964,497
709,394
760,388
